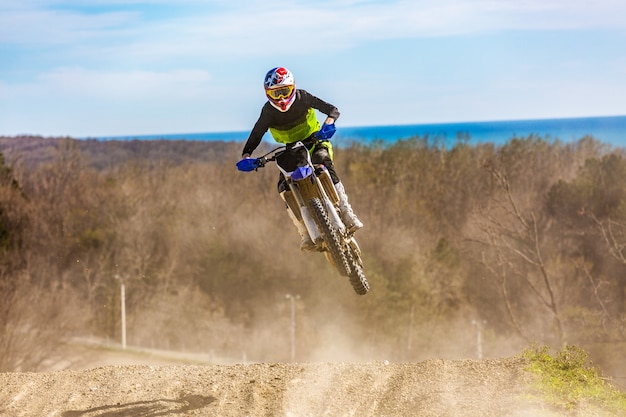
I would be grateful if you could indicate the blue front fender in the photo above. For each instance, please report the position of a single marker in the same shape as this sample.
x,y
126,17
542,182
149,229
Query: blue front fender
x,y
301,173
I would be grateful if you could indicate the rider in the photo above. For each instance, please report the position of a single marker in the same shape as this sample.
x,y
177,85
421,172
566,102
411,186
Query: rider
x,y
289,114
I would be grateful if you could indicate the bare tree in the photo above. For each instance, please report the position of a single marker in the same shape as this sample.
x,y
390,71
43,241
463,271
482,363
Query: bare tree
x,y
513,251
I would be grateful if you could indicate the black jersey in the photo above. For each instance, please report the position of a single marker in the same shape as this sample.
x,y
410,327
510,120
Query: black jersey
x,y
296,124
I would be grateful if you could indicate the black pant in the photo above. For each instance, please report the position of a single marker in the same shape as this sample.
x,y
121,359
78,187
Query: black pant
x,y
319,155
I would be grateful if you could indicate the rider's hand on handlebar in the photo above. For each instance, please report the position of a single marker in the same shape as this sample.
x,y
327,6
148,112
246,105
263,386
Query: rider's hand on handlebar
x,y
248,164
327,131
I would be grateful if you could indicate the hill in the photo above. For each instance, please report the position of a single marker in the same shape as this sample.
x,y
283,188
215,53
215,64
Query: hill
x,y
430,388
35,150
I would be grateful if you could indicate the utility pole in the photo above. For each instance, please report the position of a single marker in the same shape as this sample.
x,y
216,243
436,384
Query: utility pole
x,y
293,299
123,308
479,336
409,343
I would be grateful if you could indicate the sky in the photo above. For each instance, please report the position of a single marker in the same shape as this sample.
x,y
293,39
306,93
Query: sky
x,y
94,68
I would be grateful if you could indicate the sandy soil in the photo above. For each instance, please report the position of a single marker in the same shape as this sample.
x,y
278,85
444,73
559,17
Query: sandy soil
x,y
431,388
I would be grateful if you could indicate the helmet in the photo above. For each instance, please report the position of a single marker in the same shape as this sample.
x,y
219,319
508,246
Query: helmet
x,y
280,88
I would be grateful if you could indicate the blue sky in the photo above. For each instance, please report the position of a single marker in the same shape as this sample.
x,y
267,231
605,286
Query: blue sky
x,y
133,67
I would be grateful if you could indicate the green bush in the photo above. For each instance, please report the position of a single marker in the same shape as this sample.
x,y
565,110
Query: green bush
x,y
568,381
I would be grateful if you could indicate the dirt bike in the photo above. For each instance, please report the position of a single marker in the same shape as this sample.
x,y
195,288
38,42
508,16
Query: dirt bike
x,y
312,197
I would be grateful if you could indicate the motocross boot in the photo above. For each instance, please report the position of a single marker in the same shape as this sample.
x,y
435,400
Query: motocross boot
x,y
306,243
347,215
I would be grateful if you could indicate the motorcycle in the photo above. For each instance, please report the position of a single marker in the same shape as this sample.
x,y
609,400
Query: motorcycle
x,y
311,196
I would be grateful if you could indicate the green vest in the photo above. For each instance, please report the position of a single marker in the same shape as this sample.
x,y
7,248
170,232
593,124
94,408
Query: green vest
x,y
298,132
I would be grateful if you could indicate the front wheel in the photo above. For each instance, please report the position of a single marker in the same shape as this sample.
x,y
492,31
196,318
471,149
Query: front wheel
x,y
331,237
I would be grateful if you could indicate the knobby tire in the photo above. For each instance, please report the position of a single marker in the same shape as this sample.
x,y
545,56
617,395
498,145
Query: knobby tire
x,y
357,276
331,236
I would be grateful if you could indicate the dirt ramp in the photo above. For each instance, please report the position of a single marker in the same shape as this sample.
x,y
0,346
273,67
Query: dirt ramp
x,y
432,388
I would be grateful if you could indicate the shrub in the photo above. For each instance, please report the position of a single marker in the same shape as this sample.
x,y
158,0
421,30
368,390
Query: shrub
x,y
568,381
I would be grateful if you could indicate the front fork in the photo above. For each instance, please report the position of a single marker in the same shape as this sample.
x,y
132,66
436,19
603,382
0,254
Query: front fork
x,y
330,198
302,191
301,213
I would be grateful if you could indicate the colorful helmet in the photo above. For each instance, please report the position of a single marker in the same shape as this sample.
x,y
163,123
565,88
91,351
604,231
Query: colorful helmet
x,y
280,88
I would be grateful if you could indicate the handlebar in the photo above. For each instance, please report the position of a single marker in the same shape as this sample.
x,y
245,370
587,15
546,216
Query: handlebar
x,y
252,164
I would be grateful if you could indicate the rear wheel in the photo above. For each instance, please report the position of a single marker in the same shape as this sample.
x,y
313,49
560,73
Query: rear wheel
x,y
331,237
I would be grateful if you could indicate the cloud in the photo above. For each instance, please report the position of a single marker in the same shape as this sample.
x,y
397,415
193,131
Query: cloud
x,y
41,27
258,26
74,82
149,52
304,29
164,35
144,84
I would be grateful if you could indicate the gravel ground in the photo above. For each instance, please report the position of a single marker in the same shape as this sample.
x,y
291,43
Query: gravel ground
x,y
431,388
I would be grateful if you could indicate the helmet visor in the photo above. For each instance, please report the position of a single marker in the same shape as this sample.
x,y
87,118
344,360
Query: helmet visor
x,y
276,93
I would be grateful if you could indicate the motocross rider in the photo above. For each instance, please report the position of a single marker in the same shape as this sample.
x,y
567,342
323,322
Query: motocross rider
x,y
289,114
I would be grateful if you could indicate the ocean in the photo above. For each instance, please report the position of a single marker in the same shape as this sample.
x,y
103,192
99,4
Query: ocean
x,y
610,130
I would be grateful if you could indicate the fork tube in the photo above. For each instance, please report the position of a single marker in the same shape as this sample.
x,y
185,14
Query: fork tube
x,y
330,207
306,215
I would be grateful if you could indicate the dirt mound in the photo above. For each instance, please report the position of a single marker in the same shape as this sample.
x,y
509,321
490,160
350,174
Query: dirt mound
x,y
432,388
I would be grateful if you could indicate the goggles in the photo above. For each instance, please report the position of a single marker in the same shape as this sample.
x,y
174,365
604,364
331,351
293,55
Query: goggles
x,y
277,93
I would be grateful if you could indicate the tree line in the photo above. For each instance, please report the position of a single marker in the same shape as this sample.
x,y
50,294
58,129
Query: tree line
x,y
516,243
